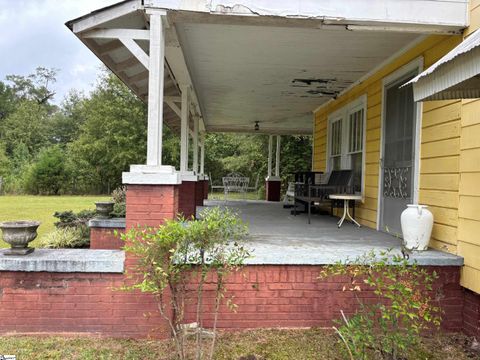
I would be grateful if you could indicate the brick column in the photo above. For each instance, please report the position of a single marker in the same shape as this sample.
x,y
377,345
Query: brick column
x,y
199,193
151,205
273,187
186,203
205,188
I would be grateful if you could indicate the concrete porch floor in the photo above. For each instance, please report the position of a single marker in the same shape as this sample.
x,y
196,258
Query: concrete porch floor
x,y
277,237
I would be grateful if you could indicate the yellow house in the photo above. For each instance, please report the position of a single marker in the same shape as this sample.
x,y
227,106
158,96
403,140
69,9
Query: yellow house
x,y
434,153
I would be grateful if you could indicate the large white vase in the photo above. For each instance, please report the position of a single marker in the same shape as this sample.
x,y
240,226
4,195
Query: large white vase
x,y
417,223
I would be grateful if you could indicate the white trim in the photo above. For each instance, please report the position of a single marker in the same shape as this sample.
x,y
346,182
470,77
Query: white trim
x,y
135,34
270,151
136,51
151,175
277,157
156,68
375,69
416,64
342,114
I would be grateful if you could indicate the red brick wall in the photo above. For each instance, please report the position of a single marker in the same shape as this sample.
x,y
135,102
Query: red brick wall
x,y
186,198
104,238
267,296
151,204
199,193
75,302
272,189
205,189
471,314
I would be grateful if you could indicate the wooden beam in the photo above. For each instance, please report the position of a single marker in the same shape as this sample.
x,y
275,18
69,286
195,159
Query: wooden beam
x,y
137,51
135,34
101,17
156,65
173,106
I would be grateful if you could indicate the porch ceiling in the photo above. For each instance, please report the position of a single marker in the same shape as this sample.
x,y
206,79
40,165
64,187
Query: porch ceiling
x,y
267,61
276,75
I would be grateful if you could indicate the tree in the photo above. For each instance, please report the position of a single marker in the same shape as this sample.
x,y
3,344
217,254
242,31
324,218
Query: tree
x,y
35,86
27,125
48,174
65,124
7,101
113,135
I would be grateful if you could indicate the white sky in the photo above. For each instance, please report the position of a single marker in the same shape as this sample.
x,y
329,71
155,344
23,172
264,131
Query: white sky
x,y
32,34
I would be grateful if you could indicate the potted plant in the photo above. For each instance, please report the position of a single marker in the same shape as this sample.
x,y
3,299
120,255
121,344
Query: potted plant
x,y
18,234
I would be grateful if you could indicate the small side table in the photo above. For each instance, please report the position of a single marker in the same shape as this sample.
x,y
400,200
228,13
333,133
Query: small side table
x,y
346,200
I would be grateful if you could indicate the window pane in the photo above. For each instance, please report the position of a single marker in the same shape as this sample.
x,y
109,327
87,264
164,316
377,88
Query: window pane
x,y
336,163
355,131
356,161
336,139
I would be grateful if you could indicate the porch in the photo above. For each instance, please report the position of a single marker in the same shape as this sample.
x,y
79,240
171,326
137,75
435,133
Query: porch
x,y
279,238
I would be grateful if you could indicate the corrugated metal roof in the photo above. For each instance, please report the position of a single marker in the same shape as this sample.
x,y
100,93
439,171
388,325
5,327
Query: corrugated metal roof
x,y
453,76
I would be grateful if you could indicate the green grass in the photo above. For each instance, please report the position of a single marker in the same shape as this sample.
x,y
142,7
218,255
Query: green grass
x,y
249,345
42,208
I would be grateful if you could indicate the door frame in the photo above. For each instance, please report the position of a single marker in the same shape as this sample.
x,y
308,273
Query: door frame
x,y
414,65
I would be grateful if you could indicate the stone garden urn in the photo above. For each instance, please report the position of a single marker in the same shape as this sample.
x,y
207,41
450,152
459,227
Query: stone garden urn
x,y
18,234
104,209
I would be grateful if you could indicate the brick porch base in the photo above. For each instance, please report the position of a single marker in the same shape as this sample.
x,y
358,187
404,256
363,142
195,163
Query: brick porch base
x,y
267,296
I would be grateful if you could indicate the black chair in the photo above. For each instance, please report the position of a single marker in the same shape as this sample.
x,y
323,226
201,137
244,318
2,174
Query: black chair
x,y
339,182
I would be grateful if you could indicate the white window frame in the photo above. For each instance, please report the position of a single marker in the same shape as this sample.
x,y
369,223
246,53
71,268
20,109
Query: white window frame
x,y
343,114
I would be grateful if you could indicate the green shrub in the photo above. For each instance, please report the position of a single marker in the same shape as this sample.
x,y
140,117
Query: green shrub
x,y
77,221
389,327
119,197
48,174
177,252
65,238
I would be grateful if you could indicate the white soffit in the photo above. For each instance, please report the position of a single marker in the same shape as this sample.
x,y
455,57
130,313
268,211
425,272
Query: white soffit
x,y
276,75
454,76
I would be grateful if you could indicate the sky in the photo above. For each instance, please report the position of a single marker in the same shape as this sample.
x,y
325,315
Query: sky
x,y
32,34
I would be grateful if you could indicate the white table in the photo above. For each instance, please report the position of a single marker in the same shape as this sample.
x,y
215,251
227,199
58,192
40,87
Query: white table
x,y
346,200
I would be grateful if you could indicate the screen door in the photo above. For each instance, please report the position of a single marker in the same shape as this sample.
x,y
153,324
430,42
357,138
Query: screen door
x,y
398,160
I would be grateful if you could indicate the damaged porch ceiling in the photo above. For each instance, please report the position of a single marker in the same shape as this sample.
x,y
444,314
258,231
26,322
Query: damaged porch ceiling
x,y
276,75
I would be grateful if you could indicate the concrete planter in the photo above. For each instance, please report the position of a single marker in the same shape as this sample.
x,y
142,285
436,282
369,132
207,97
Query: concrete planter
x,y
18,234
104,209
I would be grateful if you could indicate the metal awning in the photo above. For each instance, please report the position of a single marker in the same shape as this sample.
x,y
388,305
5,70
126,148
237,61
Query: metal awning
x,y
454,76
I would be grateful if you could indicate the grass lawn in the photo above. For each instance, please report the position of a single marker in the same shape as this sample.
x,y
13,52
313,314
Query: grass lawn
x,y
250,345
41,208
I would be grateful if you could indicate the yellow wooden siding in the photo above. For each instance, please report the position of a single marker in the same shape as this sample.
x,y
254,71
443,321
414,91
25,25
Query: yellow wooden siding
x,y
449,155
440,143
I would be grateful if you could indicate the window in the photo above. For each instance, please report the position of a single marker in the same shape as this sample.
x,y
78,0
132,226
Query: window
x,y
336,145
355,147
346,141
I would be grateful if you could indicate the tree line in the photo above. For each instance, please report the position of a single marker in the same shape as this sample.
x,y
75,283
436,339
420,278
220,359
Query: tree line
x,y
83,144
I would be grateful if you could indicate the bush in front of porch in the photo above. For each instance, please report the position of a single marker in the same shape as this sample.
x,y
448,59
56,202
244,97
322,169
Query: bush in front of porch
x,y
391,325
173,262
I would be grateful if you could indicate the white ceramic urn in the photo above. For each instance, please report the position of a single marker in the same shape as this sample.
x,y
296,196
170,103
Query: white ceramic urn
x,y
417,223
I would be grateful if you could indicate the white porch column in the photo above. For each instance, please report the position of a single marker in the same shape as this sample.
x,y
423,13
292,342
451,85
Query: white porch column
x,y
184,128
202,154
155,89
195,144
277,158
270,150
